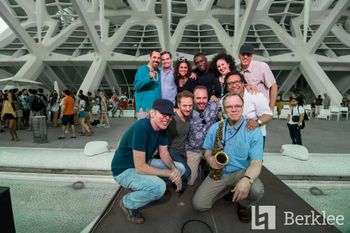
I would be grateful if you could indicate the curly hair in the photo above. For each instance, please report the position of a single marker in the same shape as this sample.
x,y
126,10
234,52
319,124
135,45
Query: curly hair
x,y
177,65
228,58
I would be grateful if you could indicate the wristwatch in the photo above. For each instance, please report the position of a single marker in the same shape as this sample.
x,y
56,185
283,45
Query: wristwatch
x,y
259,122
249,179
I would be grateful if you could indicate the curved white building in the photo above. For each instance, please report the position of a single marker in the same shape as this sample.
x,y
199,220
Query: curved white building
x,y
90,44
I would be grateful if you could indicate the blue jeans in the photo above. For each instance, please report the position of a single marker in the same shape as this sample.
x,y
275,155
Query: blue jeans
x,y
146,188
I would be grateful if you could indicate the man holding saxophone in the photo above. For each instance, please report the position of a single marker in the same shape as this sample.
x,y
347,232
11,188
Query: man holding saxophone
x,y
244,151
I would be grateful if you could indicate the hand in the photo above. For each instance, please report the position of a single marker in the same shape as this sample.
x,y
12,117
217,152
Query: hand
x,y
241,190
214,98
251,124
152,73
175,177
251,88
193,76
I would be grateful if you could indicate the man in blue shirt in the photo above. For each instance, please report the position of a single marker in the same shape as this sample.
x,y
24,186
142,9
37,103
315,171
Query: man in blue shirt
x,y
134,168
245,154
147,85
169,88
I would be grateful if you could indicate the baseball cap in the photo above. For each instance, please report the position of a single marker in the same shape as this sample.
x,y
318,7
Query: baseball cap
x,y
164,106
246,48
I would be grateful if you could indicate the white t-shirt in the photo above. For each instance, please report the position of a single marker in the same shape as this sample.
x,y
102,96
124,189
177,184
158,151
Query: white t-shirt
x,y
294,112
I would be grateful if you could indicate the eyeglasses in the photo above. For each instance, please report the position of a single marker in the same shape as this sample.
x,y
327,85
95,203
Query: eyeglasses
x,y
233,83
182,59
164,115
201,115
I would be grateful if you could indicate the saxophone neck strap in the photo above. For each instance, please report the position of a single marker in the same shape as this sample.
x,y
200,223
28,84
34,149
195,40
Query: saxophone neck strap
x,y
224,134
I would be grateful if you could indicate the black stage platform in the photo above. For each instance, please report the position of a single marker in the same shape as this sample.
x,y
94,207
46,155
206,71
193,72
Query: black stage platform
x,y
169,214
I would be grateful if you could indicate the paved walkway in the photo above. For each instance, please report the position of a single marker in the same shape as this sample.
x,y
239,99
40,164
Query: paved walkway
x,y
319,136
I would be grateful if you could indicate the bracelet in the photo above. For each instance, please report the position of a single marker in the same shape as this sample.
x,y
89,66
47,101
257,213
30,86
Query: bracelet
x,y
249,179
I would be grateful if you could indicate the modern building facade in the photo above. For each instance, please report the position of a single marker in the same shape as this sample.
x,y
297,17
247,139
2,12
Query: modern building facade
x,y
91,44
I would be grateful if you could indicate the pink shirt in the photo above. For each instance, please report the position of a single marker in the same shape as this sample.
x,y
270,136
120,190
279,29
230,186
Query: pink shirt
x,y
259,75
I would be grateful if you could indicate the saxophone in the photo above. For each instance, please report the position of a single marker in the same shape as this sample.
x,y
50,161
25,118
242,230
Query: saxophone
x,y
220,156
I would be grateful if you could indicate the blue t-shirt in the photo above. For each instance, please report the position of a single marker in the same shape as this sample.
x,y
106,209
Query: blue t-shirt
x,y
241,147
141,137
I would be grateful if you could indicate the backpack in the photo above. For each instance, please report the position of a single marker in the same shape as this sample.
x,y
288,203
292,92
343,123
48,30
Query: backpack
x,y
37,104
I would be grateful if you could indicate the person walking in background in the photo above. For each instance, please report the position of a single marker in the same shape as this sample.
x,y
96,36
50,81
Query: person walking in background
x,y
104,119
258,73
67,114
147,85
326,101
318,104
54,107
83,108
8,114
295,120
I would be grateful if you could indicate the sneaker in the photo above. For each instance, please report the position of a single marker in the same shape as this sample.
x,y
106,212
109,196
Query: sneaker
x,y
132,215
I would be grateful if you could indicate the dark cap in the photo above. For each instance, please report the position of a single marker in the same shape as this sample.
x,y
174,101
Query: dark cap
x,y
164,106
246,48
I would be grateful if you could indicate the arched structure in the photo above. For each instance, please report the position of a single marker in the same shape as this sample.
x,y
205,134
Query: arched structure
x,y
90,44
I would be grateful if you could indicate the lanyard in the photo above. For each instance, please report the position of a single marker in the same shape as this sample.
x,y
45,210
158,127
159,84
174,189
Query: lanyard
x,y
223,140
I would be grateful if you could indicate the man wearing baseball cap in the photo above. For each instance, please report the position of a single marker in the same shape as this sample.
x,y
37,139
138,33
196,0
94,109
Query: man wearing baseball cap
x,y
258,74
134,168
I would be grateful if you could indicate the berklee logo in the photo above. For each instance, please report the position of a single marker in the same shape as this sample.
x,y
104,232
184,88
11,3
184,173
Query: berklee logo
x,y
264,217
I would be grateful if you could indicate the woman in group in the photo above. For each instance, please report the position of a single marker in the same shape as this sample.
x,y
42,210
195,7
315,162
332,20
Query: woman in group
x,y
295,120
182,75
54,107
221,65
8,114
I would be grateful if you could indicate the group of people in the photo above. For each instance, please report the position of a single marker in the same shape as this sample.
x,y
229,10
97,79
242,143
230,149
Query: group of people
x,y
18,107
186,119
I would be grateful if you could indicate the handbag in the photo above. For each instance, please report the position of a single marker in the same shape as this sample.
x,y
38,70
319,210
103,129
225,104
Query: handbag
x,y
295,118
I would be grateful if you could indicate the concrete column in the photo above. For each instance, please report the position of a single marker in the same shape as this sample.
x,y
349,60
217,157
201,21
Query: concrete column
x,y
291,79
95,74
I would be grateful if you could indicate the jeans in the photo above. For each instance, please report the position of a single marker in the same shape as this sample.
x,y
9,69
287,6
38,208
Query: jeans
x,y
146,188
178,157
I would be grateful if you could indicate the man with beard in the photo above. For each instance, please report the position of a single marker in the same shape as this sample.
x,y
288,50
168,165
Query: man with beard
x,y
256,107
205,77
205,114
147,85
178,131
134,168
169,89
240,175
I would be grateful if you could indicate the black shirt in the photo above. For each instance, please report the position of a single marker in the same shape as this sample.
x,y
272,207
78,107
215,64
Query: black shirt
x,y
210,81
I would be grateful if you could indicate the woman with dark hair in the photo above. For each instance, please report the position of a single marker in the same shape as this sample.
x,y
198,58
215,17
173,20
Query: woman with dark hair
x,y
182,75
54,107
221,65
8,114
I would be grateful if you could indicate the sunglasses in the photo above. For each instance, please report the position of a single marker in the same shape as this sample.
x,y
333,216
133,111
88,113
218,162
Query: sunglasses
x,y
201,115
182,59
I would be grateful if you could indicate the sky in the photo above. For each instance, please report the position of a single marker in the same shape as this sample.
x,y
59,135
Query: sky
x,y
3,25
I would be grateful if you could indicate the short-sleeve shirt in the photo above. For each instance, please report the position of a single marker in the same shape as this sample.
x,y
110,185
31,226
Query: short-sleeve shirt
x,y
141,137
241,145
295,111
260,75
68,102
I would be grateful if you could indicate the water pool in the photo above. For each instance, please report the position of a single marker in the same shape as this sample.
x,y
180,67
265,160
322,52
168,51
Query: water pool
x,y
53,205
335,199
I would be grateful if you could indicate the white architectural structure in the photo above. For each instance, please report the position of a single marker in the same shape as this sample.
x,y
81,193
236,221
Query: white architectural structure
x,y
90,44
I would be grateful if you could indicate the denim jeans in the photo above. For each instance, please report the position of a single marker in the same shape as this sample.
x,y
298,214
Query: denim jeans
x,y
146,188
178,157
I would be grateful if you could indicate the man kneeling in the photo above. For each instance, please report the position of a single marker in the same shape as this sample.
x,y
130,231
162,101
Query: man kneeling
x,y
134,168
244,150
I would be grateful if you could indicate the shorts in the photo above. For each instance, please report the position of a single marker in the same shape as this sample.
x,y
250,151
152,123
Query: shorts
x,y
68,119
83,115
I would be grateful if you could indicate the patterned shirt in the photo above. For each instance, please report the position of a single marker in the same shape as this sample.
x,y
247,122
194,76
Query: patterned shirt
x,y
200,123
